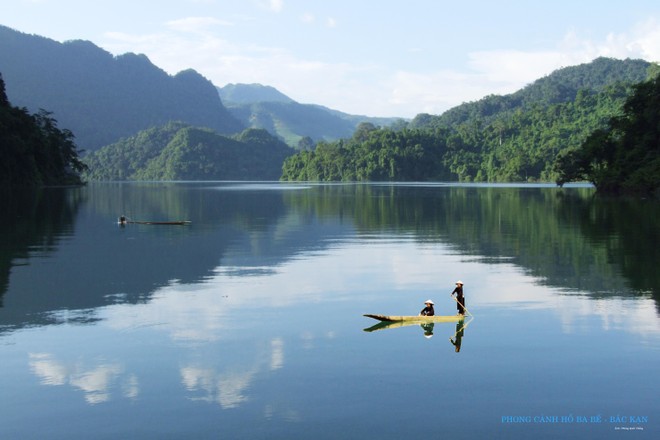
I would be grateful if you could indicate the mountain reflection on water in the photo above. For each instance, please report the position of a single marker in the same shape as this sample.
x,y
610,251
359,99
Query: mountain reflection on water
x,y
567,238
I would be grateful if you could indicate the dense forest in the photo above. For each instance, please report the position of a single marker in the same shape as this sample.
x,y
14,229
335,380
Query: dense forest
x,y
499,138
33,150
178,151
625,156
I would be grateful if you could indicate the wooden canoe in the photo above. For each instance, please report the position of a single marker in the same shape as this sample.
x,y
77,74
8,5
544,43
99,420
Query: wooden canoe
x,y
180,223
174,223
417,319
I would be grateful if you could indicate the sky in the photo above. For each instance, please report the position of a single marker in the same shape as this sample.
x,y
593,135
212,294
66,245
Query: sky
x,y
387,58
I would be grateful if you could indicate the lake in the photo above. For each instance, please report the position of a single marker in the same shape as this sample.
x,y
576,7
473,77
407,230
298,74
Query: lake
x,y
248,323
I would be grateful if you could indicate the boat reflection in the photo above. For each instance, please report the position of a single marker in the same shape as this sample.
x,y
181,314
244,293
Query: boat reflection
x,y
427,328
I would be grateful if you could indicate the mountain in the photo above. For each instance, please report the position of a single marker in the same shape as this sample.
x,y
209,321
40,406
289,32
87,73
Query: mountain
x,y
102,98
178,151
260,106
561,86
511,138
251,93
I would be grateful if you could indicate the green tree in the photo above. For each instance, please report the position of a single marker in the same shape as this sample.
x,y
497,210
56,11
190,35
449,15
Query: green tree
x,y
625,157
33,150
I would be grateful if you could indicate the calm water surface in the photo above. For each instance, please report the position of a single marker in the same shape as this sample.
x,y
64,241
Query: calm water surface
x,y
247,324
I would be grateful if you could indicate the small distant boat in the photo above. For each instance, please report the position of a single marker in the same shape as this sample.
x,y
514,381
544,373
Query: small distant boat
x,y
417,319
126,221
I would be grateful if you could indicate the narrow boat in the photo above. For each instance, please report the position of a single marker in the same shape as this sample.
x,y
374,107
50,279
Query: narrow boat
x,y
183,222
417,319
123,220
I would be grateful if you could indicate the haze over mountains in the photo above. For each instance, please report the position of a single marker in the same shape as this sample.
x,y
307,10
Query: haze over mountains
x,y
103,98
259,106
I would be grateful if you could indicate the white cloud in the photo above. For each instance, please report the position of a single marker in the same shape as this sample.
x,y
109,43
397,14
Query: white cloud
x,y
647,39
513,66
372,87
505,71
196,24
308,17
272,5
641,41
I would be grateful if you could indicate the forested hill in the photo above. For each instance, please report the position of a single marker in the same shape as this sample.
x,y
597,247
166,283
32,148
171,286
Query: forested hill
x,y
178,151
561,86
625,156
102,98
510,138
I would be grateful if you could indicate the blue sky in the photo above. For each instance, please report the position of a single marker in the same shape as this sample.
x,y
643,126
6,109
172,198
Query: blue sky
x,y
376,58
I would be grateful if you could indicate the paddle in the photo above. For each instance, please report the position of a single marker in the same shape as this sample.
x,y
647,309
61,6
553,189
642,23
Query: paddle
x,y
464,308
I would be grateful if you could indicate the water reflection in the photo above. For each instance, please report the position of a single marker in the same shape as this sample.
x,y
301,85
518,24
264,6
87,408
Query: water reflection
x,y
95,381
457,339
563,238
34,222
566,239
227,389
249,321
428,329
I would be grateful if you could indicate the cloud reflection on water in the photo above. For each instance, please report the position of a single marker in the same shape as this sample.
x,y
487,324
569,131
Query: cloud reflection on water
x,y
206,315
95,382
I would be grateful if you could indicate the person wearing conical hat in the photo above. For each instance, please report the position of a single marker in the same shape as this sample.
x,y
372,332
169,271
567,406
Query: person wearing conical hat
x,y
460,299
428,310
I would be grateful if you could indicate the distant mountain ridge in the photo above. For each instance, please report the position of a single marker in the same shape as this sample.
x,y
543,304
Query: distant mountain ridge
x,y
102,98
251,94
259,106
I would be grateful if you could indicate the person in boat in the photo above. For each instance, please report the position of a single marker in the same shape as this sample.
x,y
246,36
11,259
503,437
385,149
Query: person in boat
x,y
460,299
428,310
123,220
